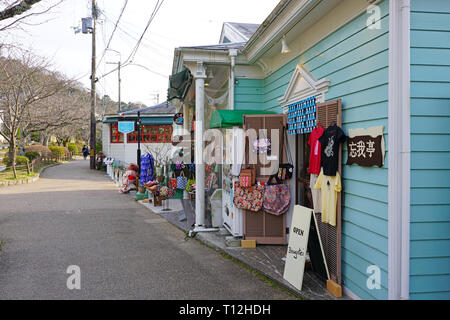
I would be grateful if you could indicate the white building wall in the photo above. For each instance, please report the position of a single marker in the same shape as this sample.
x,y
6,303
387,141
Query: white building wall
x,y
126,152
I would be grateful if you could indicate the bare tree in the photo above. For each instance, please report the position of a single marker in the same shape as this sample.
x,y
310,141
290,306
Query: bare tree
x,y
161,152
20,11
24,82
67,111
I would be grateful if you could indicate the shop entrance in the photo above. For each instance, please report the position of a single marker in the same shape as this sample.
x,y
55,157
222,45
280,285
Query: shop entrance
x,y
327,114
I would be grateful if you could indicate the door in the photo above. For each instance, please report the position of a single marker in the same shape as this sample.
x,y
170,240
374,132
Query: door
x,y
327,113
263,227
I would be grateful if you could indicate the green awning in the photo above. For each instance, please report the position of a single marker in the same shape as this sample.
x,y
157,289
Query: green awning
x,y
231,118
179,84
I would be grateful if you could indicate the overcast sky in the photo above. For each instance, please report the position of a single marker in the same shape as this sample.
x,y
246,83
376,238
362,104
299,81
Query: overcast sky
x,y
177,23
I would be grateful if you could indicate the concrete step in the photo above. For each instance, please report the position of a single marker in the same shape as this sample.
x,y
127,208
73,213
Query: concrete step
x,y
231,241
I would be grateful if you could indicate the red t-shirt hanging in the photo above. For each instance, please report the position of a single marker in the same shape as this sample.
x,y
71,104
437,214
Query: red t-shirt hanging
x,y
316,148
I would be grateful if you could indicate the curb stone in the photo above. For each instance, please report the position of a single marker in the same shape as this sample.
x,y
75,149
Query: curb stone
x,y
199,236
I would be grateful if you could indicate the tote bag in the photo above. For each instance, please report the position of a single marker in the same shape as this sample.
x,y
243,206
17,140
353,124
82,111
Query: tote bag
x,y
248,198
285,170
172,181
181,181
277,197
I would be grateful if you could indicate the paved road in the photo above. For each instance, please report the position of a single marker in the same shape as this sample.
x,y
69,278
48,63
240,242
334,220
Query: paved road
x,y
74,216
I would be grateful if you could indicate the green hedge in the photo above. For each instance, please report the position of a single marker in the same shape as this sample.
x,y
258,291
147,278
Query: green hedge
x,y
57,151
44,151
32,155
20,160
73,148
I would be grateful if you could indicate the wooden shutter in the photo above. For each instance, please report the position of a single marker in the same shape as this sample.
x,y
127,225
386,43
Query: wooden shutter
x,y
328,113
263,227
267,122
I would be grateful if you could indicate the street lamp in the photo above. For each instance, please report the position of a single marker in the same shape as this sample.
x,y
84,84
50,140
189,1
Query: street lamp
x,y
138,124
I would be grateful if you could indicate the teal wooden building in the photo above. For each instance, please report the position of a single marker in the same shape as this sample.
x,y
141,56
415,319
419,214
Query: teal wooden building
x,y
389,64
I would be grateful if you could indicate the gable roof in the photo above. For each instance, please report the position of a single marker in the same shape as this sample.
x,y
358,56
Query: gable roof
x,y
237,32
162,108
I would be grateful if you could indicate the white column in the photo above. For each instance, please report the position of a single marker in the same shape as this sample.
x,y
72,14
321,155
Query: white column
x,y
200,77
233,54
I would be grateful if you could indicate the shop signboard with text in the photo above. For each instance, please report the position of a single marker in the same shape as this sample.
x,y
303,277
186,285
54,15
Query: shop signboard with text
x,y
298,244
125,126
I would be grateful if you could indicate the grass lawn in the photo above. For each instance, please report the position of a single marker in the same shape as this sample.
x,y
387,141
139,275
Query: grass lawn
x,y
22,172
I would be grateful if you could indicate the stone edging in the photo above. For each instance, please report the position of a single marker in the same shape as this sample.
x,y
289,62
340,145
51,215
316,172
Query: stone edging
x,y
27,180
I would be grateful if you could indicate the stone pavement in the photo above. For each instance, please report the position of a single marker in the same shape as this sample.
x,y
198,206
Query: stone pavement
x,y
264,258
74,216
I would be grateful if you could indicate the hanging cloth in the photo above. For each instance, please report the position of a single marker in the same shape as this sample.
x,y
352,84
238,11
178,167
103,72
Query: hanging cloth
x,y
147,169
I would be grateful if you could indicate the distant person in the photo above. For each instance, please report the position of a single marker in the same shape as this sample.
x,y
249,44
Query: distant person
x,y
85,151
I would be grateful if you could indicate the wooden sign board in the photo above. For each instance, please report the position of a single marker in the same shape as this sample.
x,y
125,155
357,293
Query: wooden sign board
x,y
298,243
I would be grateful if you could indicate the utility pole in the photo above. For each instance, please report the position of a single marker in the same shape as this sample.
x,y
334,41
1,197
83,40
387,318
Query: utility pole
x,y
119,84
93,92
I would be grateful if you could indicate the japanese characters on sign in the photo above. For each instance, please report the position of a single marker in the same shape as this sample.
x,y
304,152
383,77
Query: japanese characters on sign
x,y
365,151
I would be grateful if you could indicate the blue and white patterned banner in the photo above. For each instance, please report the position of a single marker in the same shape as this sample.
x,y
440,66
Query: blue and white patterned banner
x,y
302,116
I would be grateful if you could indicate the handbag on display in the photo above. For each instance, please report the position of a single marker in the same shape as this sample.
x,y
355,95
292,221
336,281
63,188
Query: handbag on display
x,y
261,145
277,197
163,192
285,170
172,181
190,183
170,193
181,181
179,166
247,177
248,198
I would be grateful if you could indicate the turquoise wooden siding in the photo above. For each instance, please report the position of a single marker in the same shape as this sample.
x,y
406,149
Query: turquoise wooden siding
x,y
355,60
248,94
430,150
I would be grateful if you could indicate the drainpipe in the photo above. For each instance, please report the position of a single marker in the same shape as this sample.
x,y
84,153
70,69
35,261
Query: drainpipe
x,y
399,184
199,76
232,53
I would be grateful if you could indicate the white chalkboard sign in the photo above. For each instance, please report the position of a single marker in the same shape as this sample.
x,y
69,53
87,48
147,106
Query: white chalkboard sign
x,y
298,243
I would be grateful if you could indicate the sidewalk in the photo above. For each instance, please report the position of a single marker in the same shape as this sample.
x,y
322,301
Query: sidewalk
x,y
266,259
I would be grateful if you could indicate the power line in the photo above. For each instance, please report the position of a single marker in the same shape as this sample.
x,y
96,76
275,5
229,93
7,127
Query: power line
x,y
136,47
148,45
